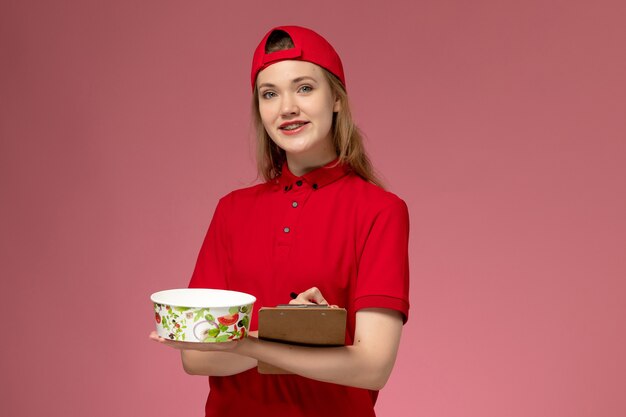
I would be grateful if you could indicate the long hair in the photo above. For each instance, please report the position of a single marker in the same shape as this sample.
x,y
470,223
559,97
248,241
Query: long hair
x,y
347,138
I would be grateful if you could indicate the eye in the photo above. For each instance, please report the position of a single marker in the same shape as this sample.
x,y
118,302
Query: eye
x,y
305,89
268,94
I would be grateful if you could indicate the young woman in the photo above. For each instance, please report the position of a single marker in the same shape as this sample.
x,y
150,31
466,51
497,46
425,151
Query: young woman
x,y
320,226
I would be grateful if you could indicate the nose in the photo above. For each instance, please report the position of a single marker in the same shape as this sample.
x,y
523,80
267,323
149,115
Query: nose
x,y
289,107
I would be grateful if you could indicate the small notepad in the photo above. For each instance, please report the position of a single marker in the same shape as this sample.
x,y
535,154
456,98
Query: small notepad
x,y
305,325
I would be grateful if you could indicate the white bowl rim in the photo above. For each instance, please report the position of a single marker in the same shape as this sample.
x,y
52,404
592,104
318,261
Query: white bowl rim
x,y
157,297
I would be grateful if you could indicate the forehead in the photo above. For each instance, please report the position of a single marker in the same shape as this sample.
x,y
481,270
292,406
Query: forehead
x,y
286,71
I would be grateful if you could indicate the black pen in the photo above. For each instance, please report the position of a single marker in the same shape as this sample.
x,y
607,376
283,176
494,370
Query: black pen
x,y
293,295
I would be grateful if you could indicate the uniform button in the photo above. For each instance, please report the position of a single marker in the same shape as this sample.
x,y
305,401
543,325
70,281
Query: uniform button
x,y
315,186
298,183
286,230
294,204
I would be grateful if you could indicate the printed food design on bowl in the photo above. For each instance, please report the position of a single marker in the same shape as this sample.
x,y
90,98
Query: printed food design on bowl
x,y
202,315
206,327
173,320
225,328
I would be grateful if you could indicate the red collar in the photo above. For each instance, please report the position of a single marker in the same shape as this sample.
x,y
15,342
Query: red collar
x,y
316,179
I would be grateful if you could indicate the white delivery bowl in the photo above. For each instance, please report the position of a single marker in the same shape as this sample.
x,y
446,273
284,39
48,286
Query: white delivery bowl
x,y
202,315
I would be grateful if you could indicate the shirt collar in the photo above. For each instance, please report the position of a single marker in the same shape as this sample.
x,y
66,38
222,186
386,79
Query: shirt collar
x,y
316,179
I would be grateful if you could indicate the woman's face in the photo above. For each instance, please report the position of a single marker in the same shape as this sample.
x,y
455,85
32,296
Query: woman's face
x,y
296,105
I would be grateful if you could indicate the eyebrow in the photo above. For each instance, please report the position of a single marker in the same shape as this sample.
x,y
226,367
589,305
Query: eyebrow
x,y
294,81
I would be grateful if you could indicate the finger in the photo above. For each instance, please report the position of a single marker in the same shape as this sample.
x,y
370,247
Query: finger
x,y
315,296
205,347
154,336
312,296
300,300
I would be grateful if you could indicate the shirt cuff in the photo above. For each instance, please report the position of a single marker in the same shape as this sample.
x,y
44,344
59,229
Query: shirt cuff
x,y
383,301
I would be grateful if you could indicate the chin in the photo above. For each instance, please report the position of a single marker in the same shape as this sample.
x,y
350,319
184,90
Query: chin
x,y
294,149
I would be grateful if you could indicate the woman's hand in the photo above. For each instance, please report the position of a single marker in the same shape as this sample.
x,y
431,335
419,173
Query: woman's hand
x,y
217,359
311,296
203,347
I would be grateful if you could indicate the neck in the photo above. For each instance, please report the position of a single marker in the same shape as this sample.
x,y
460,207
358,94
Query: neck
x,y
300,165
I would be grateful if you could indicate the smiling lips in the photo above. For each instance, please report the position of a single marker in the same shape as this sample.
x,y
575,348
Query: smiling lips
x,y
292,127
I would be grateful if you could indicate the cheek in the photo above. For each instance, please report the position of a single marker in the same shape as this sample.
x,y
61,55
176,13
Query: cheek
x,y
267,113
267,118
266,122
325,111
325,117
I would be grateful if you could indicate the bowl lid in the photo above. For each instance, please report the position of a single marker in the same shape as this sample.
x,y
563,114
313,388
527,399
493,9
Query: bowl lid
x,y
202,298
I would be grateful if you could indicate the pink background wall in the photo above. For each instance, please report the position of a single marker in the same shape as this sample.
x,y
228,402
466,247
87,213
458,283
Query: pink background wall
x,y
501,123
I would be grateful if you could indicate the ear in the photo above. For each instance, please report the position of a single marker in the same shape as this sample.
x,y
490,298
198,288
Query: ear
x,y
337,105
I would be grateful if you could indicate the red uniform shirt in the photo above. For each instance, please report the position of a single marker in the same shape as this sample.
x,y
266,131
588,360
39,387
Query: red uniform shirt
x,y
328,229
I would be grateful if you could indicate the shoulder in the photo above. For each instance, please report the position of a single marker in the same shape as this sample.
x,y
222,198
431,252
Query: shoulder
x,y
246,194
373,197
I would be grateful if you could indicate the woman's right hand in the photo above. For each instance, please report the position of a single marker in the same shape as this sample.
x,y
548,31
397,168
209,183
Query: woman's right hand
x,y
212,359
